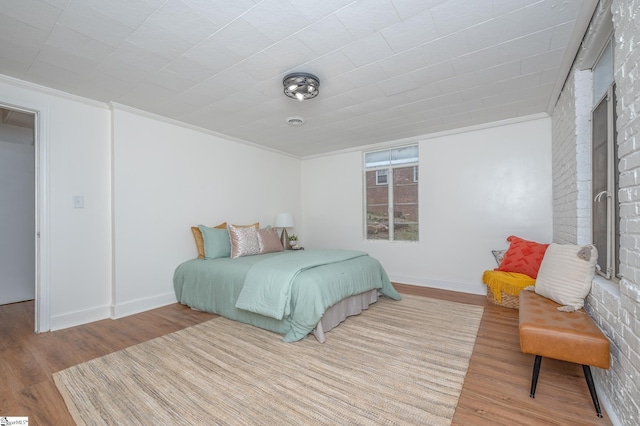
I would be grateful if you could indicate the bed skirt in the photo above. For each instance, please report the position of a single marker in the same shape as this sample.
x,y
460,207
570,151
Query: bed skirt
x,y
337,313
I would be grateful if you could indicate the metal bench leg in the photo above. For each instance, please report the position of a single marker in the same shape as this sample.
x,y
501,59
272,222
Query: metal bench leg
x,y
534,378
592,388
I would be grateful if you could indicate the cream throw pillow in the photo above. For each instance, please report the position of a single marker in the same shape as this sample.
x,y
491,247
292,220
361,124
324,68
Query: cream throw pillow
x,y
566,273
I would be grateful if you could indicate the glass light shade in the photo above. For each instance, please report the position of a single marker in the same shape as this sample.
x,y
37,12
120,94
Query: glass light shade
x,y
301,86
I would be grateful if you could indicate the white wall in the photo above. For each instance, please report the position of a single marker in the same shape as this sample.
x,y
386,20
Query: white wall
x,y
167,178
476,188
17,221
77,141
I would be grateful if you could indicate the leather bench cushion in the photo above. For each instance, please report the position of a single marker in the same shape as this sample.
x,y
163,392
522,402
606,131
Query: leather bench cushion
x,y
567,336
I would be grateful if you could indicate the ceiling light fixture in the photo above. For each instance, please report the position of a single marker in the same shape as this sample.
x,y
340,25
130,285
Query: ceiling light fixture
x,y
301,86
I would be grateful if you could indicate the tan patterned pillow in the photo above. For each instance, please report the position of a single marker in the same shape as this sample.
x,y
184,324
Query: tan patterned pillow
x,y
197,234
244,241
269,241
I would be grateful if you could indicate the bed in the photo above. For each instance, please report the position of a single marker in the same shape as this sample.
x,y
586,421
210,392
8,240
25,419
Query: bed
x,y
292,293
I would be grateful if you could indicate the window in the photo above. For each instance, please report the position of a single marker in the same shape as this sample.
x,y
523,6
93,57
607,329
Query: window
x,y
382,177
605,210
391,191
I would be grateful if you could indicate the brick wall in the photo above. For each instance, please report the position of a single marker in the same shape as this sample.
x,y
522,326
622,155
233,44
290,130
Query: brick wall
x,y
615,307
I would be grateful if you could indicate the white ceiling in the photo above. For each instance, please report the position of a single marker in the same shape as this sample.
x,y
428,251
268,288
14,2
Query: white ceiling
x,y
388,69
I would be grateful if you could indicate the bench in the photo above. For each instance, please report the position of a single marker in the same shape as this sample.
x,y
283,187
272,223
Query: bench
x,y
567,336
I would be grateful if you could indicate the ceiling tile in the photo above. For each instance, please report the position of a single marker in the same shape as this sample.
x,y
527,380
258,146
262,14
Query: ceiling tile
x,y
362,18
561,34
315,10
334,64
433,73
478,59
459,82
499,72
103,87
444,48
131,13
172,81
77,44
526,46
52,76
367,50
409,8
175,109
191,69
455,15
276,19
410,33
497,30
221,12
88,21
182,21
17,52
370,74
288,54
68,61
124,72
542,61
155,39
395,85
147,94
241,38
402,63
30,37
129,53
213,55
196,96
11,66
326,35
35,13
550,13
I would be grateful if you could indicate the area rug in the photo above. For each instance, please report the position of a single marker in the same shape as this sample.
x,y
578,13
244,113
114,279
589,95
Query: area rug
x,y
399,362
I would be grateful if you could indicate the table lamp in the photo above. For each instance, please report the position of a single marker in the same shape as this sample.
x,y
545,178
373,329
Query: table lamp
x,y
284,221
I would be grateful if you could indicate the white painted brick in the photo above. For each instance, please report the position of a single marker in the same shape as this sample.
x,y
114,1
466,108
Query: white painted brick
x,y
615,308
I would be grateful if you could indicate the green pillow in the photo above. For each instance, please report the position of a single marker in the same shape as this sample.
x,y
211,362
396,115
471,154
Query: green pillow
x,y
216,242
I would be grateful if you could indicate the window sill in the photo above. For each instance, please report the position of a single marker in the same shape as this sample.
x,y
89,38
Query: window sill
x,y
608,286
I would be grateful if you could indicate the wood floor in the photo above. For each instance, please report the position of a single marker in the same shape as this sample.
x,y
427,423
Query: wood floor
x,y
495,392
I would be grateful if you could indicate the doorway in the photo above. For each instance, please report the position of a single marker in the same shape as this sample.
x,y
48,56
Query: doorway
x,y
18,205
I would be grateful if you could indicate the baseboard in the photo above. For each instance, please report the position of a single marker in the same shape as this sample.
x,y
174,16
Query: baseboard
x,y
140,305
471,288
73,319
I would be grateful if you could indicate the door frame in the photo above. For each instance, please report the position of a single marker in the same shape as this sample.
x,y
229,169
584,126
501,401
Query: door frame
x,y
41,236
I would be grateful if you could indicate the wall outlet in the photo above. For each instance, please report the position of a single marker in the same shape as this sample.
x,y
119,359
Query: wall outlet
x,y
78,202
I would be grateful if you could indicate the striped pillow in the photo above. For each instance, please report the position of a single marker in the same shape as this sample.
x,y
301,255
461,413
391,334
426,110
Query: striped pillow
x,y
566,273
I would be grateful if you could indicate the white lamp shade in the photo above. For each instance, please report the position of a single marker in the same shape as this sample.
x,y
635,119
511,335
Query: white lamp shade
x,y
284,220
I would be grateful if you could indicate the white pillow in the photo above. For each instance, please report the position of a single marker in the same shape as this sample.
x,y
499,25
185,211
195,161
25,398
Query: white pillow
x,y
566,273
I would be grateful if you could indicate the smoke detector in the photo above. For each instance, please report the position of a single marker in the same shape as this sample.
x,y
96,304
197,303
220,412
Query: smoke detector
x,y
295,121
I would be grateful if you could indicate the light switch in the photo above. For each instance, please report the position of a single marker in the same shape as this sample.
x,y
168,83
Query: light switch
x,y
78,202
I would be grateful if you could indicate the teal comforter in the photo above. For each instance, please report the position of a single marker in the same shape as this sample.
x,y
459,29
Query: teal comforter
x,y
215,285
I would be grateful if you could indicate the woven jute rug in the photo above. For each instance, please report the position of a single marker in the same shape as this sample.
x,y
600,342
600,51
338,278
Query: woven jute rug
x,y
399,362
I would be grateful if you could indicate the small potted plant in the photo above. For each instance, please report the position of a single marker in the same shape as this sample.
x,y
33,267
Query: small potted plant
x,y
293,241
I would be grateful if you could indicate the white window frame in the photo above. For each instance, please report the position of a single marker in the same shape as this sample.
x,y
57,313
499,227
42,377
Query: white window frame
x,y
388,167
608,265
